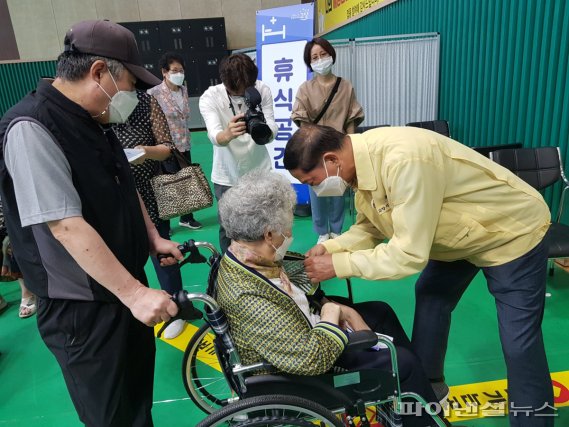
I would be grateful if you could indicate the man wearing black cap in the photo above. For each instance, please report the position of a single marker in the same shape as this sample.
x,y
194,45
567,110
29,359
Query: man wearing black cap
x,y
80,231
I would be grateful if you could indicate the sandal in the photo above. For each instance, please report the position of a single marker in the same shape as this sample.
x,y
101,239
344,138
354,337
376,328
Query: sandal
x,y
28,307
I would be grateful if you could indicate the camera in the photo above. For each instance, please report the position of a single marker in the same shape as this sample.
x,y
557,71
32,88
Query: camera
x,y
255,119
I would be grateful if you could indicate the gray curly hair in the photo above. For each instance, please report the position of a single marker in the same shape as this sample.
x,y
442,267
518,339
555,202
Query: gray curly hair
x,y
260,202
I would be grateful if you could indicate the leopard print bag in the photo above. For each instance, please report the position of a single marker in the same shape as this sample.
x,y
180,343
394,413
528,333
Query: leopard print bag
x,y
182,192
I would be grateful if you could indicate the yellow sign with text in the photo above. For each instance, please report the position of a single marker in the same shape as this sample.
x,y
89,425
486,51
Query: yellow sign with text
x,y
333,14
489,399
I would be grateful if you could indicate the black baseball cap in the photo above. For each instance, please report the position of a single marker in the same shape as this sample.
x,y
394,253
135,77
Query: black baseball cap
x,y
110,40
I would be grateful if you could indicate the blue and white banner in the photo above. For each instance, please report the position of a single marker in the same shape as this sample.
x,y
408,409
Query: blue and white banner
x,y
281,36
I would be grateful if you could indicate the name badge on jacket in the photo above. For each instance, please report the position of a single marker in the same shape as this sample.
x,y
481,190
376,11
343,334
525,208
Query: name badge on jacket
x,y
381,209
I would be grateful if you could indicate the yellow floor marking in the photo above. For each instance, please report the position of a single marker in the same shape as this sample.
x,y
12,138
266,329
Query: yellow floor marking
x,y
467,401
206,354
488,399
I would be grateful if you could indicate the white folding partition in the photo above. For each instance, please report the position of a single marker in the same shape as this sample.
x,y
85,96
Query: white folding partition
x,y
395,77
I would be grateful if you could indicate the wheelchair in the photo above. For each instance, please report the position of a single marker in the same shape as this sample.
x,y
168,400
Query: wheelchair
x,y
256,395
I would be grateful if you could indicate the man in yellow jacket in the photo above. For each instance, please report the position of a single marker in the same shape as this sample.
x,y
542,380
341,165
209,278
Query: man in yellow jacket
x,y
448,212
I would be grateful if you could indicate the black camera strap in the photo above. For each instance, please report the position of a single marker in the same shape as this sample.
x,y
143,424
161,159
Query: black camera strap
x,y
329,100
231,105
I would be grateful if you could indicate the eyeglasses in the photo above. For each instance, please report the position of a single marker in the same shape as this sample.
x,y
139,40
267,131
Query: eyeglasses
x,y
316,57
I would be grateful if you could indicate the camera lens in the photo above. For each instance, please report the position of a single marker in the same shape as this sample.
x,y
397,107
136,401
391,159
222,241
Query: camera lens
x,y
259,131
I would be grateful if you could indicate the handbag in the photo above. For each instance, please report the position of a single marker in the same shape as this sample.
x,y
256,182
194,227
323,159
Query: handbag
x,y
182,192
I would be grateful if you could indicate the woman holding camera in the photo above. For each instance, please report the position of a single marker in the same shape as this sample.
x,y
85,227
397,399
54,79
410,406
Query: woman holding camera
x,y
223,109
330,101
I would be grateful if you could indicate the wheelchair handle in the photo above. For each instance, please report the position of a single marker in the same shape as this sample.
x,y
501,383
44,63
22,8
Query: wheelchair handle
x,y
186,310
183,298
192,247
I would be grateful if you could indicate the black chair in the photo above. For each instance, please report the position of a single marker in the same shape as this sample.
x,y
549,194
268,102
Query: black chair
x,y
439,126
487,149
541,167
362,129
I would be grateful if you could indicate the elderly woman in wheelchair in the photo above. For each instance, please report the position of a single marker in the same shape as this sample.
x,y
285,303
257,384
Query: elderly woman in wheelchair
x,y
279,319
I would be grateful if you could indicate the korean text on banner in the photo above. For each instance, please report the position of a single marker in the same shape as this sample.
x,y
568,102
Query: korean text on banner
x,y
281,36
335,13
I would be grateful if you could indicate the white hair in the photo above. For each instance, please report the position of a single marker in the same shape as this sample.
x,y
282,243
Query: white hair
x,y
260,202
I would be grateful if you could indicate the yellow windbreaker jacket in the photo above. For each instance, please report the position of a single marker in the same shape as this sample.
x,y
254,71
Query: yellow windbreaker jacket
x,y
433,198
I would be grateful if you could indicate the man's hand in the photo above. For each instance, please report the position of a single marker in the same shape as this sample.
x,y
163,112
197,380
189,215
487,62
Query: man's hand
x,y
235,128
316,251
319,268
151,306
166,247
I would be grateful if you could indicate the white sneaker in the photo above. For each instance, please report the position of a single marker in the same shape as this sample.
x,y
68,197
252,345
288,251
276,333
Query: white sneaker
x,y
333,235
322,238
174,329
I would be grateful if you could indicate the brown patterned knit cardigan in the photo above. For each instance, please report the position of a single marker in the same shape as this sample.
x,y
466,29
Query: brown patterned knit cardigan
x,y
266,324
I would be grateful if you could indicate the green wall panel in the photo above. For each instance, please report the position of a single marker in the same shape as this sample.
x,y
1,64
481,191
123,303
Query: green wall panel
x,y
19,78
504,73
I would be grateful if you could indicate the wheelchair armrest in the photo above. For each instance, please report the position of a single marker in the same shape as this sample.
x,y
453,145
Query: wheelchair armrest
x,y
361,340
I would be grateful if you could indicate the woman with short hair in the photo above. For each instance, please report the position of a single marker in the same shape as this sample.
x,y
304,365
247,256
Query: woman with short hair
x,y
265,297
172,96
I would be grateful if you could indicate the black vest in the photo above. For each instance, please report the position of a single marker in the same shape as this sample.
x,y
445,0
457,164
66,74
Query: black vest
x,y
102,177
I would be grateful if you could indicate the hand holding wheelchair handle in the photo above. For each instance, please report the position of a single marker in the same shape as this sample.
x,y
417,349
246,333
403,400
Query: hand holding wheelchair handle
x,y
187,247
186,310
164,256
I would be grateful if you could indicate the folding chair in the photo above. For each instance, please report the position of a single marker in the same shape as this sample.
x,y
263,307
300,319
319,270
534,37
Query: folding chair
x,y
541,167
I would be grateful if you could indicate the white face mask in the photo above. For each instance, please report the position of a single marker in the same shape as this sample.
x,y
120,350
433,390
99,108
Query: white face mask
x,y
280,252
176,78
322,66
332,186
122,103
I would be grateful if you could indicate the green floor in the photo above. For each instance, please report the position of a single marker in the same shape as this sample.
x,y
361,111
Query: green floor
x,y
32,392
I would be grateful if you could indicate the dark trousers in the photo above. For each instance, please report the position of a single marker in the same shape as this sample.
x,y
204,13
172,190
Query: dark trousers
x,y
189,216
169,277
224,241
519,289
381,318
107,360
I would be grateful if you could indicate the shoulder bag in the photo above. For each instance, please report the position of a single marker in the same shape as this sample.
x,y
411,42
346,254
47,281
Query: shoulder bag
x,y
328,101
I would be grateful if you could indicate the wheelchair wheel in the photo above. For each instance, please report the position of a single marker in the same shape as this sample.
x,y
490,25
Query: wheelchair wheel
x,y
204,383
273,410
